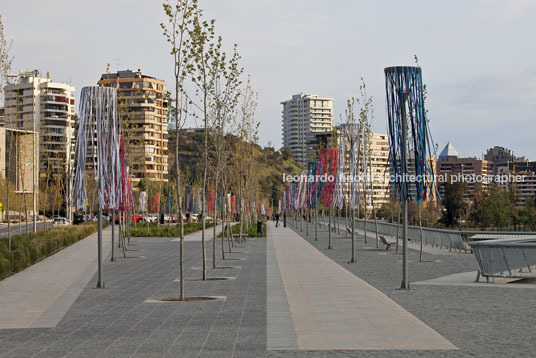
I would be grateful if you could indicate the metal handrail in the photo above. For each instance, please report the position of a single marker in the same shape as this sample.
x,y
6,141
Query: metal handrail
x,y
511,258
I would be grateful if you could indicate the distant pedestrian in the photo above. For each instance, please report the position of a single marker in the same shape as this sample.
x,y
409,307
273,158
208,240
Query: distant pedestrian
x,y
276,219
284,219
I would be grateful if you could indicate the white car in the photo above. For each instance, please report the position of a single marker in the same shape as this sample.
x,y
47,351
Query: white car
x,y
151,218
59,221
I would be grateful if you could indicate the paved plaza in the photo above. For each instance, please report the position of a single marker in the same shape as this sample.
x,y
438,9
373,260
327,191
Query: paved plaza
x,y
286,295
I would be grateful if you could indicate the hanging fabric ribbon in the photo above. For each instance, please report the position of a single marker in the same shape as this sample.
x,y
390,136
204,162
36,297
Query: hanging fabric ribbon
x,y
156,203
329,168
219,201
233,204
354,133
188,198
142,202
98,120
314,185
340,180
408,133
199,201
169,204
211,199
301,194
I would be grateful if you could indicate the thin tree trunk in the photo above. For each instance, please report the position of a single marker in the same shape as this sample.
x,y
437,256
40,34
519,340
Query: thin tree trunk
x,y
214,223
397,229
205,165
329,228
8,208
316,224
223,219
420,228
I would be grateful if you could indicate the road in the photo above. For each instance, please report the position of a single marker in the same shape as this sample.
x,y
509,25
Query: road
x,y
15,228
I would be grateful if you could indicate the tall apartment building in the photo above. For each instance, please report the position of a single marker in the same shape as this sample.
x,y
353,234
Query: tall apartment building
x,y
32,99
525,188
144,119
449,163
302,115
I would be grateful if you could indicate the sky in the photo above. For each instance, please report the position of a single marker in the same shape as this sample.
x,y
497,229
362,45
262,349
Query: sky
x,y
477,56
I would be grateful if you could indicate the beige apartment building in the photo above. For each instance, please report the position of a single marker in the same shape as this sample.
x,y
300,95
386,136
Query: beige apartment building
x,y
379,168
303,116
144,119
33,101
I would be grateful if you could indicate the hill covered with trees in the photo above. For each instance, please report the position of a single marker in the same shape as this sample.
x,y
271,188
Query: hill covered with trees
x,y
268,164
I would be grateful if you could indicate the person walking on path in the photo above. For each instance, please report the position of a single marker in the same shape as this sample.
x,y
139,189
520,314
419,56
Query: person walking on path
x,y
284,219
276,219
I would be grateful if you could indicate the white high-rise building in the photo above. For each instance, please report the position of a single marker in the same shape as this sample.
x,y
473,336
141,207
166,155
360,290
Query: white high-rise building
x,y
302,115
34,100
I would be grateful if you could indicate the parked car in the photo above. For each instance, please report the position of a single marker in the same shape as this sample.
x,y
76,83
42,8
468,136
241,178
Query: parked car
x,y
78,219
136,218
133,218
151,218
60,221
88,218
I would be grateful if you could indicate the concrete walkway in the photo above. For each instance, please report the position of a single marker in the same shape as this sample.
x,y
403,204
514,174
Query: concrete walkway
x,y
40,295
332,309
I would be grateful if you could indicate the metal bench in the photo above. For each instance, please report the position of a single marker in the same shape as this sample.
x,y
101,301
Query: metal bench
x,y
385,242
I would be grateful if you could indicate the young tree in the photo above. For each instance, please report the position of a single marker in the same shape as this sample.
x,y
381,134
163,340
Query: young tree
x,y
225,97
366,114
209,61
177,31
5,67
248,135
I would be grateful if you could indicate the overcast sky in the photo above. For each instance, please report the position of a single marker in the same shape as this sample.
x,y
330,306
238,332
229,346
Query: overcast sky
x,y
478,56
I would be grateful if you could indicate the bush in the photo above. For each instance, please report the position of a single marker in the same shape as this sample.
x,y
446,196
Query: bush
x,y
154,230
27,249
250,232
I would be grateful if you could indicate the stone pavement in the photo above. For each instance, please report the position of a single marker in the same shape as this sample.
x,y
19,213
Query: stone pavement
x,y
121,321
282,289
41,294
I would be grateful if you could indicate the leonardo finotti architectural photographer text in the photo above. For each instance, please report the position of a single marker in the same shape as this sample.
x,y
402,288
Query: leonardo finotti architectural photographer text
x,y
411,178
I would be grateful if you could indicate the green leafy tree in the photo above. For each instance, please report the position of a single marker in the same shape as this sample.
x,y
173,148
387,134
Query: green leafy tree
x,y
453,203
527,214
286,152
